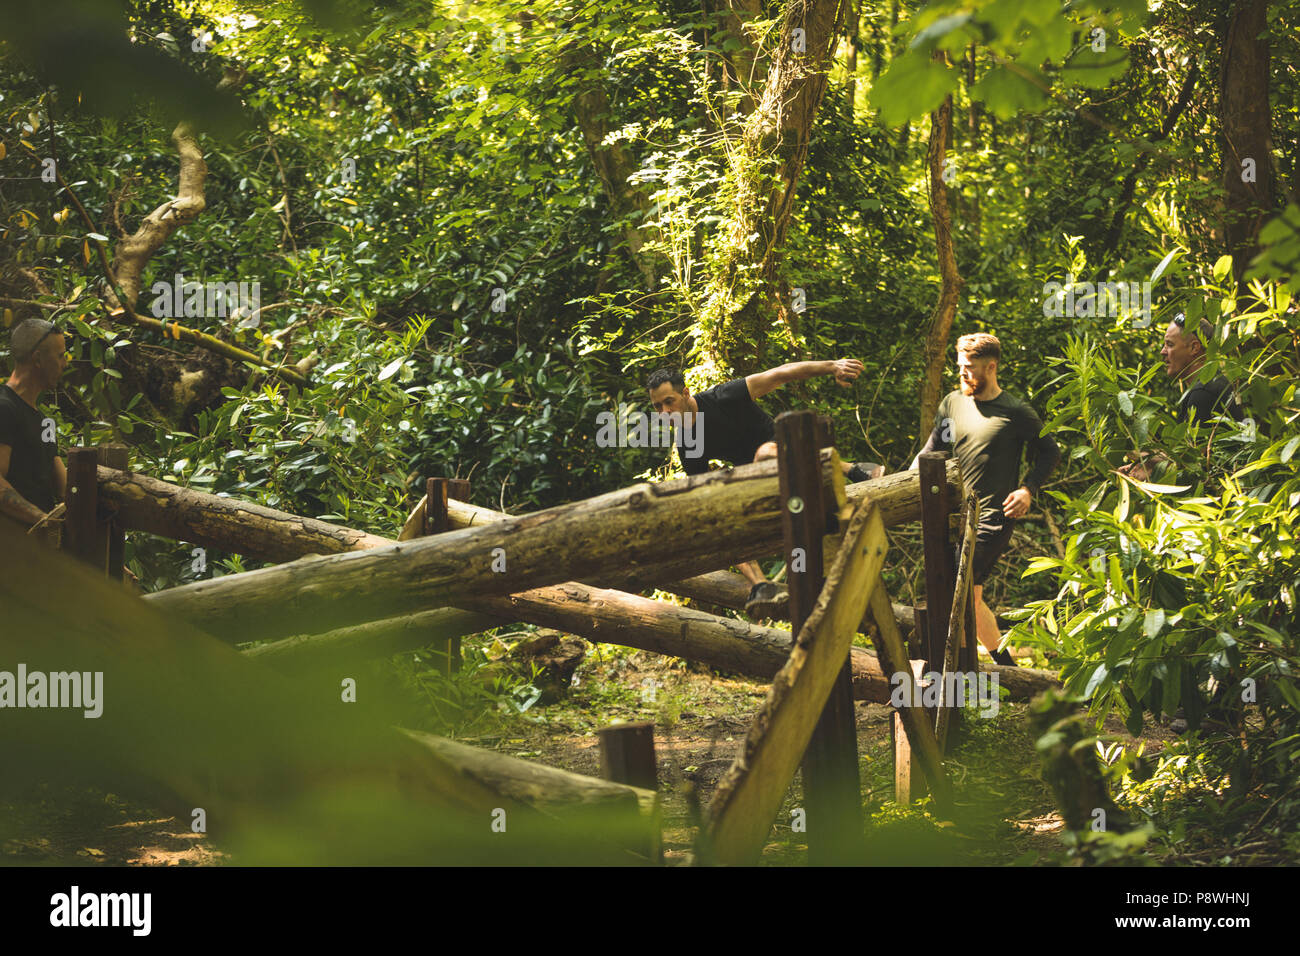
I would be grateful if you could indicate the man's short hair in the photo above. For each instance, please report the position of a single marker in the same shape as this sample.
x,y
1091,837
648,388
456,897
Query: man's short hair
x,y
27,337
1204,328
980,345
671,375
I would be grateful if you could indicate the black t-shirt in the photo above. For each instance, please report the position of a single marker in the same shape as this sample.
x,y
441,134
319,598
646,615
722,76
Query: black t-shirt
x,y
731,426
31,461
1206,399
988,439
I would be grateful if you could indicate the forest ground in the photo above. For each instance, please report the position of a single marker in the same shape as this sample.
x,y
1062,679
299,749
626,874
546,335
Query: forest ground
x,y
1008,815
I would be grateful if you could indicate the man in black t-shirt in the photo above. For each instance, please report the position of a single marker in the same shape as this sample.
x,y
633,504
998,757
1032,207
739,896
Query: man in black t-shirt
x,y
1183,353
988,430
32,475
728,425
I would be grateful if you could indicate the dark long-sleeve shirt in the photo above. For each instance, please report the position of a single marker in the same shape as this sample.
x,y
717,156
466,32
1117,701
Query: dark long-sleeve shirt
x,y
988,438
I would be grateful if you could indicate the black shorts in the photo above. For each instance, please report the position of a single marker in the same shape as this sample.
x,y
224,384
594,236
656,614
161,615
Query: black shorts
x,y
991,541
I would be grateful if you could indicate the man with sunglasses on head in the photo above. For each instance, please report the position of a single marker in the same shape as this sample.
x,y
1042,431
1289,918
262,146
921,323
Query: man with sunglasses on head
x,y
1184,357
33,477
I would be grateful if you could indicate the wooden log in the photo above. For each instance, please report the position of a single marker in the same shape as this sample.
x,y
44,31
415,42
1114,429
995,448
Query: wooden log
x,y
955,642
146,504
711,519
740,816
602,616
285,771
936,504
114,456
437,522
573,800
831,785
381,638
909,779
730,590
627,754
83,537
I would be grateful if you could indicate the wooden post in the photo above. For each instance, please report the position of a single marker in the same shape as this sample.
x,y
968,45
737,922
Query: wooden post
x,y
114,456
940,572
627,754
436,521
832,789
435,509
83,537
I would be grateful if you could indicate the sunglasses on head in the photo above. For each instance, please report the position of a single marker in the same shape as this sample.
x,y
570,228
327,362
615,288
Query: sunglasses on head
x,y
54,331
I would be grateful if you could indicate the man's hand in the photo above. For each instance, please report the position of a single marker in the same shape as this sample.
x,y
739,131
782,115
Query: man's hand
x,y
846,370
1016,504
1141,470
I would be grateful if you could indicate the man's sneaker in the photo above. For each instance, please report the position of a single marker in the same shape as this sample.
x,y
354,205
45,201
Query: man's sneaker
x,y
865,471
767,600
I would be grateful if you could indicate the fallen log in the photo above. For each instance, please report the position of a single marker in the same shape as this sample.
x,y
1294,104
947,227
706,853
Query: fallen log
x,y
604,616
646,534
570,799
749,794
283,771
146,504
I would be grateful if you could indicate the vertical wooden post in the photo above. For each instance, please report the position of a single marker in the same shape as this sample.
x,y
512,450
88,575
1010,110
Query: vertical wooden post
x,y
435,508
458,488
82,534
436,521
832,789
909,781
627,754
909,785
115,456
940,568
971,653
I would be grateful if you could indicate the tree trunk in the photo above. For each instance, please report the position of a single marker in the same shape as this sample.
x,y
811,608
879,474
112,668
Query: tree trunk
x,y
227,524
1247,142
851,57
740,304
605,617
945,310
622,537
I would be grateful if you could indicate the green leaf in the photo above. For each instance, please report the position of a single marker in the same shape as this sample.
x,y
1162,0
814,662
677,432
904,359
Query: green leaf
x,y
927,38
1095,680
1007,94
911,87
1153,623
391,369
1164,264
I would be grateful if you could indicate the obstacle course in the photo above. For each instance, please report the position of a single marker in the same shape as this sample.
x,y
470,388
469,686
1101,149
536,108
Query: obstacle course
x,y
340,595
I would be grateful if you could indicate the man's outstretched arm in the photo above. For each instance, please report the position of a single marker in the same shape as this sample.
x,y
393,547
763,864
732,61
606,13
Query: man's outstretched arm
x,y
760,383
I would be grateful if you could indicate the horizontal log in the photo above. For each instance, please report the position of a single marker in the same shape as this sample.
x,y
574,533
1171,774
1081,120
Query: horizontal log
x,y
146,504
630,814
287,771
381,638
603,616
643,535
